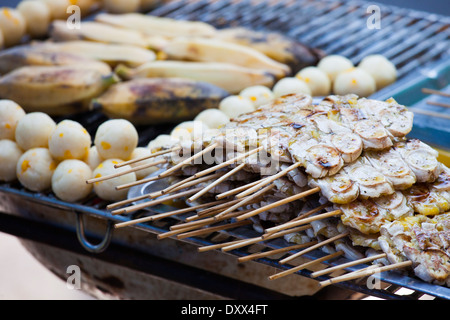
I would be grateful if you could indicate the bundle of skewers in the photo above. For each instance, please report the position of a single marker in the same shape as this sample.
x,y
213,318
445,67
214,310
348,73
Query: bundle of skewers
x,y
339,176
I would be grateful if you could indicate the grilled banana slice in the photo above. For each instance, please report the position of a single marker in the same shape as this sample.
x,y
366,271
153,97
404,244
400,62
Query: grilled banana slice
x,y
338,189
158,26
34,55
230,77
276,46
55,90
99,32
212,50
159,100
110,53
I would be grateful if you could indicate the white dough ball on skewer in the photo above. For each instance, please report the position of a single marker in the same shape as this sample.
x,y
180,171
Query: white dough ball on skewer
x,y
139,153
34,130
259,95
10,114
380,68
93,159
106,189
162,141
69,180
189,130
10,154
35,169
290,85
58,8
235,105
356,81
316,79
116,139
69,140
213,118
334,64
37,16
13,26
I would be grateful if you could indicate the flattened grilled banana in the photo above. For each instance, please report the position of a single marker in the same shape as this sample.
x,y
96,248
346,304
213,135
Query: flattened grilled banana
x,y
276,46
55,90
159,26
158,100
110,53
99,32
211,50
227,76
35,55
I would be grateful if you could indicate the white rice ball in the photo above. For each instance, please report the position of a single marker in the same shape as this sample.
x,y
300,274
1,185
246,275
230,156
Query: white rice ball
x,y
189,130
34,130
213,118
58,8
141,152
35,169
380,68
317,80
69,140
10,114
69,180
116,139
290,85
93,159
163,141
332,65
9,157
37,16
356,81
235,105
107,189
259,95
13,25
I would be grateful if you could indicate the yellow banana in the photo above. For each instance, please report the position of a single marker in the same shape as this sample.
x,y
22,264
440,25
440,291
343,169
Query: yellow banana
x,y
158,100
55,90
212,50
100,32
158,26
110,53
276,46
35,55
230,77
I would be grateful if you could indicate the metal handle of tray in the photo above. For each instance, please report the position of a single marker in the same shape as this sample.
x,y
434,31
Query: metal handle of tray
x,y
81,235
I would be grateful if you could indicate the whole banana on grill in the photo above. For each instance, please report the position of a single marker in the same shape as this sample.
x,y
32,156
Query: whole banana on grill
x,y
229,77
55,90
158,100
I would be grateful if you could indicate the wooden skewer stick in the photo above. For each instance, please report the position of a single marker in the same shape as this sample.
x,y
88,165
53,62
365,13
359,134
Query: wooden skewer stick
x,y
358,274
431,114
155,154
211,211
244,201
205,221
346,265
246,242
236,190
138,182
432,91
306,265
320,244
213,229
123,172
162,215
295,223
188,160
439,104
217,246
268,180
276,251
147,204
215,183
279,203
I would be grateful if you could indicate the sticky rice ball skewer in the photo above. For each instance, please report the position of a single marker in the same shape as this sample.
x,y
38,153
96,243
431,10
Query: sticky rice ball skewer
x,y
68,180
34,130
35,169
9,157
116,139
10,114
69,140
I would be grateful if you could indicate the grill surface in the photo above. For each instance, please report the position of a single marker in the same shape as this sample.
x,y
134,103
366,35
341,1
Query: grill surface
x,y
410,39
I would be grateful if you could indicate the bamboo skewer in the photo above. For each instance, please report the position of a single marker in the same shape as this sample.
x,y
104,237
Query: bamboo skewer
x,y
123,172
432,91
439,104
431,113
275,251
188,160
138,182
362,273
213,229
269,180
346,265
320,244
205,221
279,203
159,153
306,265
217,182
236,190
154,202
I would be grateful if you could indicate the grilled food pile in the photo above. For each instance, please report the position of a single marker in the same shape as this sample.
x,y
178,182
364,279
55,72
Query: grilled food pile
x,y
351,156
